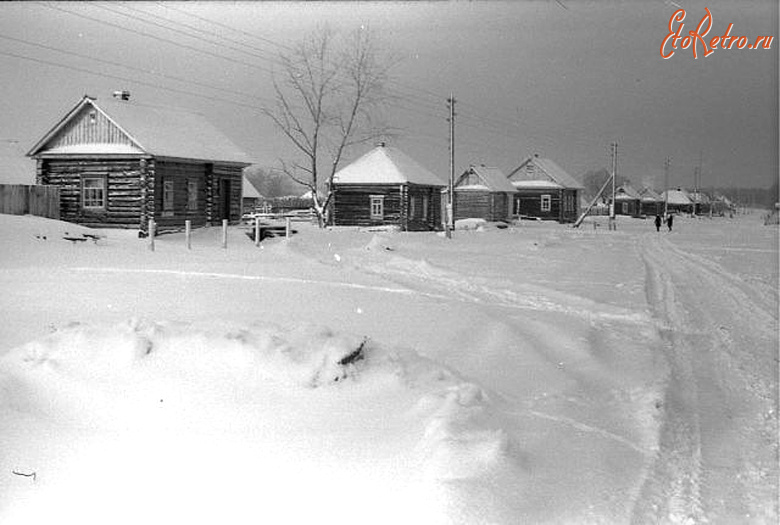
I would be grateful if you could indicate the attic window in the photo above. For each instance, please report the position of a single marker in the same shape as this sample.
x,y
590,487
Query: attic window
x,y
92,117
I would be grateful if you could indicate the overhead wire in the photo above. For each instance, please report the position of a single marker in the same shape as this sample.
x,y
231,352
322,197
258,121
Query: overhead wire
x,y
429,104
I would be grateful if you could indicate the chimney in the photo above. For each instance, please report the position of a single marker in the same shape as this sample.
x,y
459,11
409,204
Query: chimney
x,y
381,144
122,95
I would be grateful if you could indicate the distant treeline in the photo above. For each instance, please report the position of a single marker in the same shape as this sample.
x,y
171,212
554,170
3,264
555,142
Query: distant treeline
x,y
751,197
272,183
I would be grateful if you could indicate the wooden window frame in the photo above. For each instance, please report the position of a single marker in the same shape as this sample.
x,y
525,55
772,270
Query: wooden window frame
x,y
87,197
377,207
168,196
546,203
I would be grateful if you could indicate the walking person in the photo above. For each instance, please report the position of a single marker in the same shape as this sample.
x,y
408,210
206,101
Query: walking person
x,y
658,223
669,221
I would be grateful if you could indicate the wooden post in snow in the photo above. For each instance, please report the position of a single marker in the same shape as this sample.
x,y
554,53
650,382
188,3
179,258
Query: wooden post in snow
x,y
287,228
257,231
152,233
188,233
224,233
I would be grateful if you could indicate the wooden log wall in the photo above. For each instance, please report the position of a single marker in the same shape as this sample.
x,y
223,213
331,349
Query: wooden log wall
x,y
180,173
352,204
233,173
122,183
531,204
425,217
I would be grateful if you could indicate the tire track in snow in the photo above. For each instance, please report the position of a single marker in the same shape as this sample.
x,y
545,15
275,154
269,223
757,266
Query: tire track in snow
x,y
431,281
716,442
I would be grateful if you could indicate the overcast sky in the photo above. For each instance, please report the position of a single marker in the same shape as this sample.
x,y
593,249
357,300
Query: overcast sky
x,y
560,78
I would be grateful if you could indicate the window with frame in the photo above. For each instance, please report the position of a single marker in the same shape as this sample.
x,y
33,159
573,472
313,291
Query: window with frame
x,y
192,195
93,192
377,206
168,195
546,202
624,207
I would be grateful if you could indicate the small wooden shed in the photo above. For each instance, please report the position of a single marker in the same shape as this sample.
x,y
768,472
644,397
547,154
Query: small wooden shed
x,y
627,201
485,193
120,164
651,203
387,187
545,191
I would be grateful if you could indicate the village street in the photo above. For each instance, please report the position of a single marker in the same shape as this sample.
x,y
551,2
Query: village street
x,y
562,375
718,444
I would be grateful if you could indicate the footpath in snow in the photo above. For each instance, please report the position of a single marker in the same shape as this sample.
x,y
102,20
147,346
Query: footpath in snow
x,y
537,374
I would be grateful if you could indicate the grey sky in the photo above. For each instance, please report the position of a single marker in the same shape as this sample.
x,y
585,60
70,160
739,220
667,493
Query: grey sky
x,y
563,79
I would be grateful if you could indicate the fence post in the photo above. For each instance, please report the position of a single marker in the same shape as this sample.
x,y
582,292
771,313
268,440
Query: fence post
x,y
188,233
224,233
257,231
152,233
287,228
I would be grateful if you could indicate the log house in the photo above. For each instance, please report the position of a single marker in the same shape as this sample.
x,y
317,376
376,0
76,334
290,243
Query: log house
x,y
120,164
386,187
545,191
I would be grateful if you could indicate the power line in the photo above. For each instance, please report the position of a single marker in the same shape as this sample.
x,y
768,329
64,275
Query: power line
x,y
179,31
160,39
132,68
225,26
131,80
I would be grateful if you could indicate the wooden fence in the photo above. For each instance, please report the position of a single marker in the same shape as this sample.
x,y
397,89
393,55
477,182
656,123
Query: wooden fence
x,y
20,199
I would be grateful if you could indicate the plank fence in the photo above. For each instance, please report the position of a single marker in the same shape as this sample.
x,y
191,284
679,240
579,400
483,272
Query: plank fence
x,y
21,199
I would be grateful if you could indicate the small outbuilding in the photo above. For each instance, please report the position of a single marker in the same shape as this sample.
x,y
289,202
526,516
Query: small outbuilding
x,y
545,191
677,201
387,187
651,203
627,201
121,164
484,193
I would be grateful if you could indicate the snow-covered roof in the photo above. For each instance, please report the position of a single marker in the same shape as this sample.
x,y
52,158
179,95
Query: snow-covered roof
x,y
699,197
140,128
15,168
490,179
676,197
386,165
626,192
536,184
249,191
536,168
650,195
473,187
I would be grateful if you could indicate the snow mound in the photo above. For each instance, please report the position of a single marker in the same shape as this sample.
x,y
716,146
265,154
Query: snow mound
x,y
299,415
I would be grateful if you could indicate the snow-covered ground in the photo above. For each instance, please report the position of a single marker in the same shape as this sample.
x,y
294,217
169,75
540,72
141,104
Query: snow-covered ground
x,y
535,374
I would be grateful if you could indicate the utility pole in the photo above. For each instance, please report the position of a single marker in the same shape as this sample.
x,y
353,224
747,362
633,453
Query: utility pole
x,y
667,163
450,212
612,223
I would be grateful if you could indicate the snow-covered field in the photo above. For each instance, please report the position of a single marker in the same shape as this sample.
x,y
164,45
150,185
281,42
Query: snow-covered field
x,y
535,374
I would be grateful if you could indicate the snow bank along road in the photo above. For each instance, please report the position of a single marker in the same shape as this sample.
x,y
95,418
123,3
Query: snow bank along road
x,y
718,452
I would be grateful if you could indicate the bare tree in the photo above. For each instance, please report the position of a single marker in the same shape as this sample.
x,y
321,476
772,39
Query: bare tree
x,y
328,94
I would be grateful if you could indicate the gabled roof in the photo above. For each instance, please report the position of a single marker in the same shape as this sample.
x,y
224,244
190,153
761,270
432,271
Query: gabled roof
x,y
143,129
490,179
676,197
649,195
626,192
538,169
249,191
15,168
699,197
386,165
